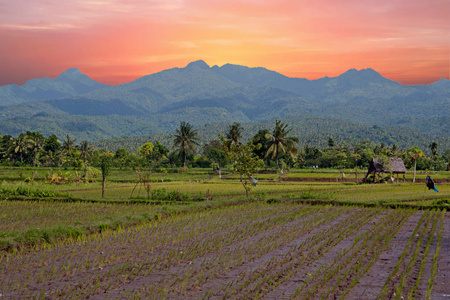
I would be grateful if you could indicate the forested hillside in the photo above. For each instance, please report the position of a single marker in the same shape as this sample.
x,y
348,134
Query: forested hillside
x,y
347,106
313,131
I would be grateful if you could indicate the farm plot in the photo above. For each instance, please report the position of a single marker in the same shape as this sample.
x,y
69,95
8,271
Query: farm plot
x,y
254,250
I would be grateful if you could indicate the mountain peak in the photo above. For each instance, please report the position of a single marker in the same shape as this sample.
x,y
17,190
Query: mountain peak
x,y
368,74
200,64
71,73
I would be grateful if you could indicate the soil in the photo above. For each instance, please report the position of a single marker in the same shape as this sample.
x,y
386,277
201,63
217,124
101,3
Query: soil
x,y
272,252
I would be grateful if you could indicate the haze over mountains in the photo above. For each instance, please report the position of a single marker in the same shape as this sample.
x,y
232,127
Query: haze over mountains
x,y
154,104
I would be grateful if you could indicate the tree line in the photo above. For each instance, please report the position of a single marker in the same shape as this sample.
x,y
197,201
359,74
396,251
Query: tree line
x,y
276,149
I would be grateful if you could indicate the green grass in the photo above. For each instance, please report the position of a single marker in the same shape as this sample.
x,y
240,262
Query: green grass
x,y
38,212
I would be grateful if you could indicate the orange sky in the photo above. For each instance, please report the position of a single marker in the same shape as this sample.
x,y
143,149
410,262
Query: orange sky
x,y
116,41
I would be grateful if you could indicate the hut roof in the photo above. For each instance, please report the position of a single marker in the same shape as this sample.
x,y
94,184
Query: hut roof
x,y
396,165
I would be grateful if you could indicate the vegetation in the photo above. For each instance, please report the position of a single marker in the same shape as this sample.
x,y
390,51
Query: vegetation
x,y
243,161
313,251
278,150
186,139
279,142
170,222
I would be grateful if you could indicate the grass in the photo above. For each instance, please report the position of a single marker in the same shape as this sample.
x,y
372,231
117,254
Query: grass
x,y
97,245
37,212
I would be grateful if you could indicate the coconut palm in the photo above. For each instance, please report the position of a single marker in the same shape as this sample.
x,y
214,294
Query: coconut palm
x,y
51,158
68,145
36,142
20,145
280,141
85,151
234,133
186,139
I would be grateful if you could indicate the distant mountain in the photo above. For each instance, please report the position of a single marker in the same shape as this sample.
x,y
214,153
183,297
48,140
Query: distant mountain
x,y
154,104
68,84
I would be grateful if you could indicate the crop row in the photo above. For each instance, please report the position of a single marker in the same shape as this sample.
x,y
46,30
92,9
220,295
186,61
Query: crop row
x,y
404,281
159,250
247,251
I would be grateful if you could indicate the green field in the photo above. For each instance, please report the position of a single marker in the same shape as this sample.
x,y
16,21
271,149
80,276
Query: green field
x,y
208,219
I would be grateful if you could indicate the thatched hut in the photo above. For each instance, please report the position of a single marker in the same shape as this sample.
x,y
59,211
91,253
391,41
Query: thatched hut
x,y
389,165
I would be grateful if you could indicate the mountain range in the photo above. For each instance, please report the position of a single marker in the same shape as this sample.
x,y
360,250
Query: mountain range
x,y
155,104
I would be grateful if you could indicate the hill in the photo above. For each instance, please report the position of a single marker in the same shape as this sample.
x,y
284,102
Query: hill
x,y
155,104
68,84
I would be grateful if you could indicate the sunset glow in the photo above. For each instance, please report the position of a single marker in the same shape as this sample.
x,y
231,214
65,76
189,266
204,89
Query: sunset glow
x,y
116,41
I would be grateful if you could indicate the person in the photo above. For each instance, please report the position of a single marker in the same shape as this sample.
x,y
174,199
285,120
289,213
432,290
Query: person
x,y
430,184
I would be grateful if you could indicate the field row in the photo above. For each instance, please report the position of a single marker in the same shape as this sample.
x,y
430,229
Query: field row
x,y
246,251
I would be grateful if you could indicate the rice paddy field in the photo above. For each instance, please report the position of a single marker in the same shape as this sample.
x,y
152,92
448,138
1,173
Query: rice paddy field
x,y
192,235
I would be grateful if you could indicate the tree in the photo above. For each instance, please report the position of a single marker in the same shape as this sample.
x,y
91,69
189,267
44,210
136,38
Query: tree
x,y
214,152
145,151
415,153
446,156
20,145
365,149
68,145
434,149
52,158
243,161
85,151
121,155
52,143
234,133
6,143
260,138
105,166
36,141
279,141
331,142
357,157
394,149
186,139
159,151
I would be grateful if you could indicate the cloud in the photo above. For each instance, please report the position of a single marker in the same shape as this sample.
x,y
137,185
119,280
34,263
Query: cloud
x,y
290,36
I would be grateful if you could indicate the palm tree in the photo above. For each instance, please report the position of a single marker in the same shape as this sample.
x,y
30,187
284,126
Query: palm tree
x,y
279,141
186,139
234,133
434,147
36,141
20,145
51,158
68,145
85,151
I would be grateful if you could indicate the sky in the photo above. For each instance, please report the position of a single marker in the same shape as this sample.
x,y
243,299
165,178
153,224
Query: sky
x,y
117,41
